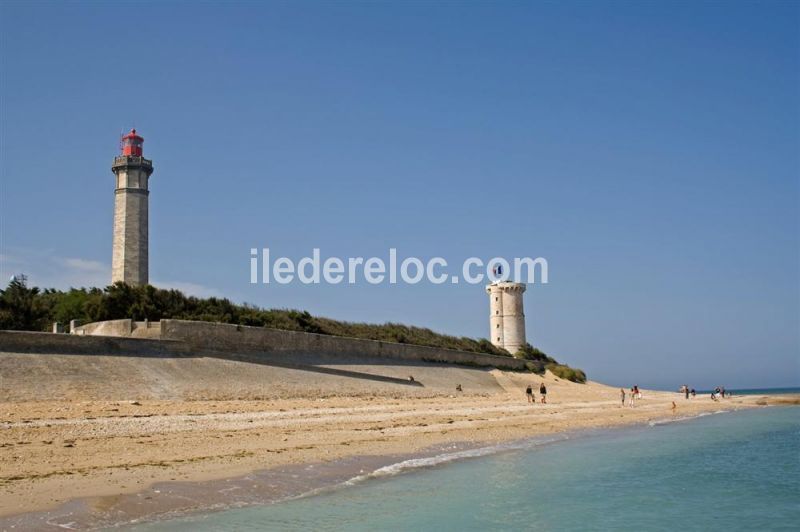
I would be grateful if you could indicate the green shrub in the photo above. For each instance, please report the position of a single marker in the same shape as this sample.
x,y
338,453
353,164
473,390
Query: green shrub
x,y
535,367
568,373
23,308
528,352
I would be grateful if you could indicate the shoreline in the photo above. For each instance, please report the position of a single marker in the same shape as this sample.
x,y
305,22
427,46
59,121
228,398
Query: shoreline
x,y
396,430
164,501
389,494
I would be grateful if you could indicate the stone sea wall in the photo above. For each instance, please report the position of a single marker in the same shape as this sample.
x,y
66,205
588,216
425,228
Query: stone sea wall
x,y
236,338
197,338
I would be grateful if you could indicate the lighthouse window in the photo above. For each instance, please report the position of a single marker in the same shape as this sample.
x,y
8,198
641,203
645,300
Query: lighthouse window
x,y
497,312
497,326
498,338
497,299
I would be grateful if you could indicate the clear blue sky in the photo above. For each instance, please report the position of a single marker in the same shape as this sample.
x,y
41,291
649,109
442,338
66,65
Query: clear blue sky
x,y
649,151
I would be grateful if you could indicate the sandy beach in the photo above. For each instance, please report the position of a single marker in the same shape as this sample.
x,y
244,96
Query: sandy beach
x,y
56,451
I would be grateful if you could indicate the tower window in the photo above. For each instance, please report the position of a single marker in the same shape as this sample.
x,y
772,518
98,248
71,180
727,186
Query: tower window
x,y
498,338
497,312
497,299
497,326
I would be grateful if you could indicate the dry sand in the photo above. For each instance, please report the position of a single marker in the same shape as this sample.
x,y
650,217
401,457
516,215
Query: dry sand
x,y
145,425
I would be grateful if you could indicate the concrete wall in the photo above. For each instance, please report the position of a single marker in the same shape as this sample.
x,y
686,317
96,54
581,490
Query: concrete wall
x,y
235,338
106,328
39,342
199,338
146,329
122,328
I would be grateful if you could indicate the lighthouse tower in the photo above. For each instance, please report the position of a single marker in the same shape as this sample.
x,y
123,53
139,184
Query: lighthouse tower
x,y
132,170
507,319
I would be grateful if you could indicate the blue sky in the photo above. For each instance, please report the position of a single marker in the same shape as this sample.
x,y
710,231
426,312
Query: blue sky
x,y
648,151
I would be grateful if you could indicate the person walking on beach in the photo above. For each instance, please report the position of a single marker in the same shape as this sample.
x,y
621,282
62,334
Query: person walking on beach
x,y
632,398
674,408
686,391
622,396
543,391
694,393
529,393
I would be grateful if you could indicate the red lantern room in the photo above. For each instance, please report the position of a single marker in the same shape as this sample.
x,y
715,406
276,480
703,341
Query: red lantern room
x,y
132,144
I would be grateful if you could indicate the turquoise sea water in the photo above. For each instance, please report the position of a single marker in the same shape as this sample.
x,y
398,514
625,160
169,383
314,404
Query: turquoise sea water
x,y
761,391
727,471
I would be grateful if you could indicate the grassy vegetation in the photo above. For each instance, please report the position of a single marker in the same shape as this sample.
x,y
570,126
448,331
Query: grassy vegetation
x,y
32,309
539,361
566,372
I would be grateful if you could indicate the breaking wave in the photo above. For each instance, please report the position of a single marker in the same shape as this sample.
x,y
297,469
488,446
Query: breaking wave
x,y
665,421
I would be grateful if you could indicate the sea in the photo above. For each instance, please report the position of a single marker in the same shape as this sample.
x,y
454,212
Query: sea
x,y
723,471
759,391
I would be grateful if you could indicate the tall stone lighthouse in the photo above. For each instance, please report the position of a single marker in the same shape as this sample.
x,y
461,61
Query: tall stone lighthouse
x,y
130,257
507,319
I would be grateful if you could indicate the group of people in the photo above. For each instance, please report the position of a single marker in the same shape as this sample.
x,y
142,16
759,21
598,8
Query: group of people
x,y
719,392
633,396
542,392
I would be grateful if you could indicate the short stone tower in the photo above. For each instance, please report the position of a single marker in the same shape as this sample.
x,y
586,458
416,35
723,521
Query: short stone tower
x,y
507,319
129,262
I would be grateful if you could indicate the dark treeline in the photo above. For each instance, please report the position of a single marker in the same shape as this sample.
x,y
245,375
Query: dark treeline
x,y
31,309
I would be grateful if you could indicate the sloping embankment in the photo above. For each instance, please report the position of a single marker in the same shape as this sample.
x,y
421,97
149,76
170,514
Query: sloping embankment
x,y
43,366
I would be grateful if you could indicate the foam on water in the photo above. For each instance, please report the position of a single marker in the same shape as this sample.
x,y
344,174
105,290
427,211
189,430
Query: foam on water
x,y
406,466
665,421
418,463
